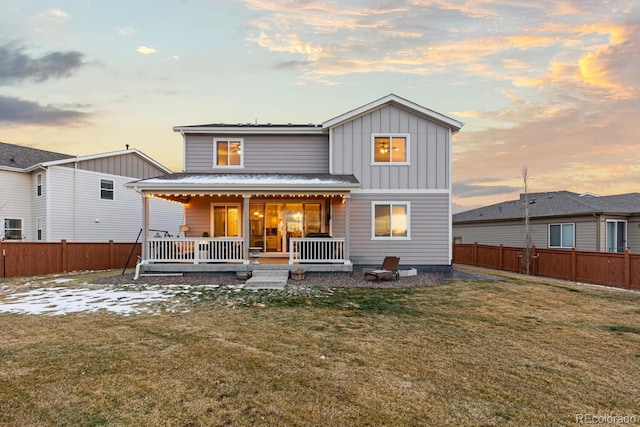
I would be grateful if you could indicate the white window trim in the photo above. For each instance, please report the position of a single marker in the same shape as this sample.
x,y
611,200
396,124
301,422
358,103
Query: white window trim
x,y
39,185
407,138
226,205
39,228
113,191
215,153
562,246
22,224
373,220
626,233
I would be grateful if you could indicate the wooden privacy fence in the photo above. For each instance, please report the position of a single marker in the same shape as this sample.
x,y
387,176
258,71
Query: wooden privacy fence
x,y
620,270
37,258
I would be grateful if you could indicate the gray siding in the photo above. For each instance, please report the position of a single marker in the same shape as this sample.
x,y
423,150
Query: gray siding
x,y
429,225
130,165
429,147
512,233
633,234
263,153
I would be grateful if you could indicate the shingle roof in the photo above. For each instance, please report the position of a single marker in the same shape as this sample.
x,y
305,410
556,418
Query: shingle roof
x,y
253,178
555,203
21,157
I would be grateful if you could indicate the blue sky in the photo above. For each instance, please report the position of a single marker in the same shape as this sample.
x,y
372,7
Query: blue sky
x,y
554,85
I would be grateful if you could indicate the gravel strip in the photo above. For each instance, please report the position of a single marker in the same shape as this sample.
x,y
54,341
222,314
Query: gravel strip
x,y
346,280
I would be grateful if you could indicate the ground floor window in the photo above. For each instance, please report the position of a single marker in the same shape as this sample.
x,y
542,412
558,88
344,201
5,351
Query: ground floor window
x,y
106,189
225,220
561,235
12,229
616,236
390,220
39,228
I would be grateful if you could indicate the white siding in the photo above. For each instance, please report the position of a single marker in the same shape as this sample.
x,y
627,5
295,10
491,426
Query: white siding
x,y
15,200
79,214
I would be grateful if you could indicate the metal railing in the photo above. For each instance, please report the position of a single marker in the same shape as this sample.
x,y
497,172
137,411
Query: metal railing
x,y
195,250
316,250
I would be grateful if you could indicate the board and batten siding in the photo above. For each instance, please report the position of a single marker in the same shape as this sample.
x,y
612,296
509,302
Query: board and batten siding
x,y
262,154
15,200
85,217
130,165
429,228
429,146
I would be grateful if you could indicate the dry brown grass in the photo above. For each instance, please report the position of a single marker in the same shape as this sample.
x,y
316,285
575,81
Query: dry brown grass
x,y
518,351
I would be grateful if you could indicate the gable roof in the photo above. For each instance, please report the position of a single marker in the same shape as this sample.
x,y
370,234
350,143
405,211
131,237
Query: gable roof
x,y
555,203
25,159
109,154
455,125
289,128
20,157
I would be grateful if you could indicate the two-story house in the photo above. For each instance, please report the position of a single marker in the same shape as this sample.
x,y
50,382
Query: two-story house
x,y
371,182
48,196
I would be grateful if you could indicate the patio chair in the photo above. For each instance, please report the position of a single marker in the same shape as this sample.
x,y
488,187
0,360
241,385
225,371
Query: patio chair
x,y
389,269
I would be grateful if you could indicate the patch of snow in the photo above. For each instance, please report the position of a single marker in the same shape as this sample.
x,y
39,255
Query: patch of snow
x,y
126,300
246,179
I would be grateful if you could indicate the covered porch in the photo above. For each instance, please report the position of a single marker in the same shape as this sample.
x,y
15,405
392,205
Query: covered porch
x,y
260,221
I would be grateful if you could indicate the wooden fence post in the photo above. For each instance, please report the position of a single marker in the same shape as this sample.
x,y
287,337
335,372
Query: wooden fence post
x,y
627,269
63,255
500,257
475,253
574,266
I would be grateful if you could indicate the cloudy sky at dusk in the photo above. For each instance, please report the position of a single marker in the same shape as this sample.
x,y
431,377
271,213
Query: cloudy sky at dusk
x,y
551,84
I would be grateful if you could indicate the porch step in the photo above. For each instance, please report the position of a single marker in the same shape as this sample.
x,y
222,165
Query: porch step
x,y
267,279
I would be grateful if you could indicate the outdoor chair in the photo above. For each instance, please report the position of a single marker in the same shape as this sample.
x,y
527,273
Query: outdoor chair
x,y
389,269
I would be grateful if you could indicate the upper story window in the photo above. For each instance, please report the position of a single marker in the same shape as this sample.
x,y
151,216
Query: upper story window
x,y
390,220
390,149
106,189
39,184
228,153
561,235
12,229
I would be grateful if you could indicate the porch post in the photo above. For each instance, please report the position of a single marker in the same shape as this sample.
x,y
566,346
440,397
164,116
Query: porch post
x,y
145,225
347,224
245,227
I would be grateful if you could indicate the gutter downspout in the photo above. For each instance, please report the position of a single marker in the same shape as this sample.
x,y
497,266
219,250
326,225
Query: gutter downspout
x,y
598,232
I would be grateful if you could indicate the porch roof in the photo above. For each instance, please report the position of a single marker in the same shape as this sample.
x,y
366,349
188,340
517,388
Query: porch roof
x,y
246,182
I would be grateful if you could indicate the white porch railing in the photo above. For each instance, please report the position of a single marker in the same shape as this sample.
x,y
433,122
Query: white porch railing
x,y
316,250
195,250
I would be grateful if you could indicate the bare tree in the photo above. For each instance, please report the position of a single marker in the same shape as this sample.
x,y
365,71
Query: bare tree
x,y
528,246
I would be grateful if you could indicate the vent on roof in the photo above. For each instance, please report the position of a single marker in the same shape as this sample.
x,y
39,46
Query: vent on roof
x,y
12,159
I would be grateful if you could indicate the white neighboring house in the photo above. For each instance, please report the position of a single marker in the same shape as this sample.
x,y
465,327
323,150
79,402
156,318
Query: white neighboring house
x,y
48,196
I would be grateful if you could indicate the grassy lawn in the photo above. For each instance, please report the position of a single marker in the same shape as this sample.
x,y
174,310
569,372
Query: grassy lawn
x,y
516,351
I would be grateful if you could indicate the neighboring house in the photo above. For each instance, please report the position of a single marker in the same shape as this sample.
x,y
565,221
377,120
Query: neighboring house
x,y
376,179
558,219
47,196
